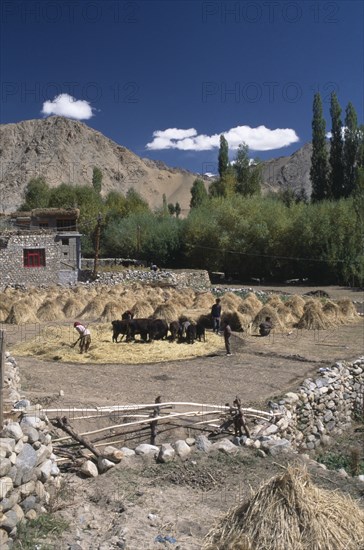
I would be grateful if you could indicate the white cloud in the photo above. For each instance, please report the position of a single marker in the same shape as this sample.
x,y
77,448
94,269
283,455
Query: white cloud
x,y
328,135
68,106
257,139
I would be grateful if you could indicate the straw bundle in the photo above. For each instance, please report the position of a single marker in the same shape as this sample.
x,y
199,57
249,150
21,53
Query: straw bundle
x,y
21,313
142,309
111,311
168,312
313,318
4,312
286,316
230,301
274,301
72,308
93,310
347,308
237,321
295,304
290,513
250,305
50,310
204,300
333,312
268,311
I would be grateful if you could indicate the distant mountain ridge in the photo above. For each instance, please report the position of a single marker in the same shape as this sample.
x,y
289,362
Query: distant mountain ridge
x,y
65,151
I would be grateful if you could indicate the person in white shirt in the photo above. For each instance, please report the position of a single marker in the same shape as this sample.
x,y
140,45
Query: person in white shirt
x,y
84,338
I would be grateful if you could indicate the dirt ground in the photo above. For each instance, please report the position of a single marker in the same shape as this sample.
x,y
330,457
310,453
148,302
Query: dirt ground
x,y
184,498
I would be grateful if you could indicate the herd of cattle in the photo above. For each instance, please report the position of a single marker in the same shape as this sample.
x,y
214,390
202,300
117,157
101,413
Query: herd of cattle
x,y
157,329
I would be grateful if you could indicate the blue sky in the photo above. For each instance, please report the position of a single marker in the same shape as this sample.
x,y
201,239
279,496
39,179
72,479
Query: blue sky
x,y
166,78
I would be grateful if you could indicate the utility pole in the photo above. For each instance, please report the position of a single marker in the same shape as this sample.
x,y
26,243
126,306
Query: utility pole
x,y
97,245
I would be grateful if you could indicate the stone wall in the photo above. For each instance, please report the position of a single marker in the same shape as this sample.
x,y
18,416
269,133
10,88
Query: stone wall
x,y
322,406
28,472
198,279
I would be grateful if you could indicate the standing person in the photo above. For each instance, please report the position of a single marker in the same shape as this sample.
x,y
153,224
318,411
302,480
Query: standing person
x,y
84,336
216,316
227,336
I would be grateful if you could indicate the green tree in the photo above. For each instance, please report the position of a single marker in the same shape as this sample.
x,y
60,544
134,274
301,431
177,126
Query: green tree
x,y
135,203
248,174
351,150
336,149
319,161
177,209
37,194
223,159
198,193
171,209
97,179
63,196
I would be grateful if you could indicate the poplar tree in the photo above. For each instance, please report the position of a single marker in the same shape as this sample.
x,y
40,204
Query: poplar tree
x,y
319,161
351,150
223,159
198,193
336,150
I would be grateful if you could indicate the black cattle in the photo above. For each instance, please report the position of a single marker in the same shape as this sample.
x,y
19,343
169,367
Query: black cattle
x,y
200,332
174,328
191,333
156,329
120,327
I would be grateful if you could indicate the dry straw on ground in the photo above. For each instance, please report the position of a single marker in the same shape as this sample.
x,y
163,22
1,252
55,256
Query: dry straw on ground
x,y
268,311
314,318
290,513
55,343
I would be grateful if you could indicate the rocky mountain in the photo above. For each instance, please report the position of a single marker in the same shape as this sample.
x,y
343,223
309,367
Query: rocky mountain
x,y
65,151
289,172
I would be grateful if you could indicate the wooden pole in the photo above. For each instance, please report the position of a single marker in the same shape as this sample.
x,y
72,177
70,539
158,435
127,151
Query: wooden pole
x,y
2,369
97,245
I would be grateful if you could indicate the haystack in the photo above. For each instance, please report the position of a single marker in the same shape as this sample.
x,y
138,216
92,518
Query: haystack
x,y
168,312
274,301
111,312
93,310
268,311
204,300
333,312
290,513
251,305
295,304
21,313
238,322
347,308
230,301
313,318
4,312
72,308
50,310
142,309
286,316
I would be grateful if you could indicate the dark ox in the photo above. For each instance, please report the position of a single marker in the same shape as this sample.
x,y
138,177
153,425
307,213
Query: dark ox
x,y
174,328
156,329
200,332
191,334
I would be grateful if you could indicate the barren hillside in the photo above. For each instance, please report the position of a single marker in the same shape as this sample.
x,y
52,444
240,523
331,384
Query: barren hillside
x,y
65,151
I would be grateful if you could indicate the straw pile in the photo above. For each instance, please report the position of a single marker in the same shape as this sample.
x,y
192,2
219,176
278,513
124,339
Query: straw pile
x,y
4,313
201,316
237,321
21,313
274,301
313,318
168,312
142,309
50,310
231,301
295,304
333,312
204,300
347,309
268,311
250,305
93,310
55,345
72,308
111,311
290,513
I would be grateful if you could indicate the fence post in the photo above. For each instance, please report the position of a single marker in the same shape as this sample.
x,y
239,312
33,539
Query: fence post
x,y
2,368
